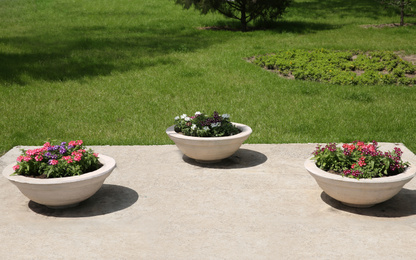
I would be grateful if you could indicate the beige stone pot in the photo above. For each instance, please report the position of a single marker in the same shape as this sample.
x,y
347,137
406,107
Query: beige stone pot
x,y
62,192
209,149
359,193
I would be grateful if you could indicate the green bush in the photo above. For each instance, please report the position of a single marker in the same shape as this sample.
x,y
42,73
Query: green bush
x,y
341,67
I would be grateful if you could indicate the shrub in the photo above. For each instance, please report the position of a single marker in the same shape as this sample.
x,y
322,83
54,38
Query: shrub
x,y
341,67
243,10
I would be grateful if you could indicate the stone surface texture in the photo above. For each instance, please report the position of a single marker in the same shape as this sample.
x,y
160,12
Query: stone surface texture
x,y
261,203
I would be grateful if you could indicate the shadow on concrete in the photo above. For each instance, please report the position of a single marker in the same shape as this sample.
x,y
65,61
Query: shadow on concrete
x,y
110,198
243,158
401,205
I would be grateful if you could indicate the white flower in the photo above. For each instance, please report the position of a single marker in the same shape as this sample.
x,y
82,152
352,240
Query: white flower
x,y
197,113
183,116
187,119
206,128
193,127
176,118
218,124
225,116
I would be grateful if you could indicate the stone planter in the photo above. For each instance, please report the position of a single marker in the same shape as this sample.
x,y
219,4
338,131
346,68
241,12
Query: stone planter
x,y
209,149
359,193
62,192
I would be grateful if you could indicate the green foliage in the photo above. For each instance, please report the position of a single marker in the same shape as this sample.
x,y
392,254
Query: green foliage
x,y
202,125
341,67
243,10
404,6
114,73
359,160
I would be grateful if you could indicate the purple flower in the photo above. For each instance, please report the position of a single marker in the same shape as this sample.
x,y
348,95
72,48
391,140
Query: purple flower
x,y
53,148
62,150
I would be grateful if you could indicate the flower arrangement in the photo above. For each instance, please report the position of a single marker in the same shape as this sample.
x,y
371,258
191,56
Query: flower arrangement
x,y
202,125
53,161
359,160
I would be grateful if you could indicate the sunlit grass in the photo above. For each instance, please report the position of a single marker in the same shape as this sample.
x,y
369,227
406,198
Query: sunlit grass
x,y
118,72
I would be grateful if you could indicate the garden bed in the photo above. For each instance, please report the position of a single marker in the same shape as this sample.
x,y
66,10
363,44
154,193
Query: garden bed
x,y
342,67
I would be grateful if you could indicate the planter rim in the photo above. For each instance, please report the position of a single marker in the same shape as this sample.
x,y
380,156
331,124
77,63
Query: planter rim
x,y
108,165
245,130
310,165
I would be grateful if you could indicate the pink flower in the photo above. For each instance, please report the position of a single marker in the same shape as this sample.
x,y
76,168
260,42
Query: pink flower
x,y
371,148
78,157
350,147
79,142
53,162
30,152
95,154
38,158
16,167
362,161
66,158
352,166
20,158
27,158
47,144
72,143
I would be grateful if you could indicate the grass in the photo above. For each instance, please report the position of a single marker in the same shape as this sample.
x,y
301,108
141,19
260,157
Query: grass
x,y
118,72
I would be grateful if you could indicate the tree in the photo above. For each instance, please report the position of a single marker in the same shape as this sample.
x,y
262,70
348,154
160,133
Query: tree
x,y
243,10
402,5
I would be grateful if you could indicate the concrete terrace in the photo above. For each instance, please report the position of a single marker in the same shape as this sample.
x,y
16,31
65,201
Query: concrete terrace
x,y
258,204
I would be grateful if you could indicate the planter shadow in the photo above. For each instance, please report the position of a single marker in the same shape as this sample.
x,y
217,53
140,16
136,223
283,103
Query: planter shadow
x,y
110,198
243,158
401,205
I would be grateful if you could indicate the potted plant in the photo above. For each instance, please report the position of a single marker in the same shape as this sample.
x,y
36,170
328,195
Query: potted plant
x,y
59,176
208,138
359,174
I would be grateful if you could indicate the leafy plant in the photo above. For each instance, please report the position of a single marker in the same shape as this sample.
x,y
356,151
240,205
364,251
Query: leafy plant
x,y
53,161
359,160
243,10
341,67
202,125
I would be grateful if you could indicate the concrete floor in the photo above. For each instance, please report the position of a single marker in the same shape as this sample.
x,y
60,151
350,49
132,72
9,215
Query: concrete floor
x,y
157,204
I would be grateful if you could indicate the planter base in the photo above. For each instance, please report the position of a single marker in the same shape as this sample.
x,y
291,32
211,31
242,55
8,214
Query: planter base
x,y
362,193
209,149
63,206
358,205
208,162
66,192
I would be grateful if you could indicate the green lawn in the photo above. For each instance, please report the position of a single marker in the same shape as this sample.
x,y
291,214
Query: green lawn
x,y
118,72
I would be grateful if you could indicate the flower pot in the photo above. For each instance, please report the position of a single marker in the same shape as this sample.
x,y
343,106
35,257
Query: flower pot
x,y
359,193
209,149
62,192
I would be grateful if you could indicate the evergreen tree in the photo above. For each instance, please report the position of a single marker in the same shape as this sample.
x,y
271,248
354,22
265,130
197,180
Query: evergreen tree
x,y
243,10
